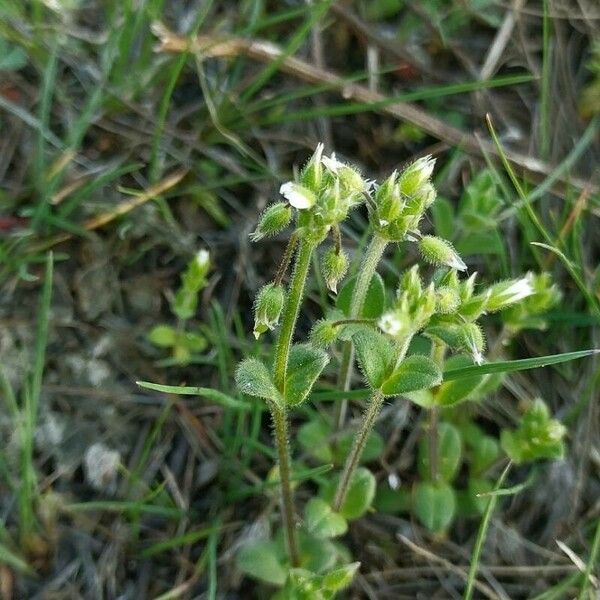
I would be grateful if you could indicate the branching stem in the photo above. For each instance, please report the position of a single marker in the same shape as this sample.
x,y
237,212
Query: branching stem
x,y
366,271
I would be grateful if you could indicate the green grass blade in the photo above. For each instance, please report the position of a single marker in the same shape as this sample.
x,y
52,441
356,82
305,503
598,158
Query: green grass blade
x,y
485,521
184,390
190,537
592,562
295,42
522,364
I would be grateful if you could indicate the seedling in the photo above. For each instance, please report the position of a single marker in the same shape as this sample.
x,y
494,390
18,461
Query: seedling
x,y
182,340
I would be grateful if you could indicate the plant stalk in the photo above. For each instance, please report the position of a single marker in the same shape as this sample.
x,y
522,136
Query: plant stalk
x,y
366,271
290,314
438,350
280,428
373,408
279,414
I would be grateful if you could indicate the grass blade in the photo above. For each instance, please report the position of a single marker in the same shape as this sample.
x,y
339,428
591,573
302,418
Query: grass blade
x,y
510,366
485,521
184,390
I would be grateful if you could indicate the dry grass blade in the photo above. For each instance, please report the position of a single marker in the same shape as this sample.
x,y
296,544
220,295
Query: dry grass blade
x,y
122,209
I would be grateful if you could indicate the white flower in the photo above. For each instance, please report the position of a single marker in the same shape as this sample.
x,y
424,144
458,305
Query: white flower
x,y
202,258
332,163
297,195
505,293
390,323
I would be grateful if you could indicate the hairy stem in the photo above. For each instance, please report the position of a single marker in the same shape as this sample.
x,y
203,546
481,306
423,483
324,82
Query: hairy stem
x,y
353,459
365,274
437,354
280,422
290,314
280,427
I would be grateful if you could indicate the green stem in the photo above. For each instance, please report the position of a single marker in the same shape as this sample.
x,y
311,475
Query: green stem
x,y
290,314
280,427
279,415
366,271
373,408
438,350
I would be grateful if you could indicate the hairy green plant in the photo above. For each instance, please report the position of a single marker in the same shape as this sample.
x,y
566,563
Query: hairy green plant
x,y
425,345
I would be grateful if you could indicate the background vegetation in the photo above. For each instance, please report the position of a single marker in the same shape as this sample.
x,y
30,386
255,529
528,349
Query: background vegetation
x,y
125,148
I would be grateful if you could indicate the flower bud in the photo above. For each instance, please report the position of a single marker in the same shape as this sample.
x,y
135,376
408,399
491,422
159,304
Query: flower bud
x,y
297,195
275,218
350,178
440,252
410,283
324,333
267,308
447,300
505,293
335,265
473,341
416,175
312,174
388,201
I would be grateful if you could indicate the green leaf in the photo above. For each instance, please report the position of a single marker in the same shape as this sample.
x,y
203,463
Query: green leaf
x,y
360,494
252,377
163,336
260,560
340,578
422,398
455,391
194,342
375,354
449,453
304,367
485,454
434,505
316,554
374,300
314,438
322,521
184,390
414,373
515,365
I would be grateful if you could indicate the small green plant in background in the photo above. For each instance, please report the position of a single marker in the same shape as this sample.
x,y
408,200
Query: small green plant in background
x,y
425,344
182,340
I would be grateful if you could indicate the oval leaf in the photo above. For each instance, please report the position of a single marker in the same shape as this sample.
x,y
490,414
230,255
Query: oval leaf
x,y
260,560
435,505
449,453
417,372
252,377
322,521
374,300
375,354
457,390
360,494
304,367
